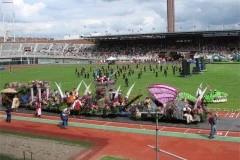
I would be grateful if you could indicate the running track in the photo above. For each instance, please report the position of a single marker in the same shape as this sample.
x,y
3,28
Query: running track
x,y
139,126
229,114
131,140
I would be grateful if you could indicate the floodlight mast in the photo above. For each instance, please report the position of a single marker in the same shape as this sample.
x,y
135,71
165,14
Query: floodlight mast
x,y
156,148
8,17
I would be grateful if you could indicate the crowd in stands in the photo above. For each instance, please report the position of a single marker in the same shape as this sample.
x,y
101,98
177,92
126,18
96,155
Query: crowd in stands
x,y
130,50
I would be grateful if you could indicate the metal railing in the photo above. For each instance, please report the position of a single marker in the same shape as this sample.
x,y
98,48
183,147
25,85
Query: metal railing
x,y
25,153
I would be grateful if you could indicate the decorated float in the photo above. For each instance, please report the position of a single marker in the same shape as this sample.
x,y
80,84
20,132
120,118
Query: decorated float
x,y
7,96
29,93
13,89
106,100
40,91
172,104
215,96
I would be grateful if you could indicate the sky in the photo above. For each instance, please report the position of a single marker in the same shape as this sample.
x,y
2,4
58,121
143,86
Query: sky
x,y
56,18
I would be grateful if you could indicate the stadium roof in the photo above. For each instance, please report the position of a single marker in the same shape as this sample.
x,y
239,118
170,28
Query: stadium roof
x,y
216,33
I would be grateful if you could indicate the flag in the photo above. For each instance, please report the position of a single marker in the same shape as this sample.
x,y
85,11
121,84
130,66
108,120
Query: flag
x,y
153,28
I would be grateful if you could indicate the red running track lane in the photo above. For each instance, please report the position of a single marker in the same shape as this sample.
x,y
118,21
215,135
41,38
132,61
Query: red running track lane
x,y
220,113
137,126
228,114
130,145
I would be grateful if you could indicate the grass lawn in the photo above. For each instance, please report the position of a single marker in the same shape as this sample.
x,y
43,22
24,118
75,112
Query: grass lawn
x,y
112,158
8,157
223,77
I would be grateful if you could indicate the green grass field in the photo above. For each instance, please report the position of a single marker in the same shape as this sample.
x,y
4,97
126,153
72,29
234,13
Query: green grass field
x,y
112,158
223,77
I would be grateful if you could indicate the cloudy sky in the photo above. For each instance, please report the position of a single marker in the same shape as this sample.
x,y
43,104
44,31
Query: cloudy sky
x,y
56,18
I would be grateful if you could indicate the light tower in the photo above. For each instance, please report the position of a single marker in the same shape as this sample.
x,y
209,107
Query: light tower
x,y
8,20
170,16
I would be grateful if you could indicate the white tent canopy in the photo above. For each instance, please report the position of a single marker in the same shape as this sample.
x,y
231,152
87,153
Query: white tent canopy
x,y
111,59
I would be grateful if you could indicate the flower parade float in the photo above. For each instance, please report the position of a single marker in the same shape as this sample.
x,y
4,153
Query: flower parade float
x,y
21,90
172,104
215,96
105,101
108,101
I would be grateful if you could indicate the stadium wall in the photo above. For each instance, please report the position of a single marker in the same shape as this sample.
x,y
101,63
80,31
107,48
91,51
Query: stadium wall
x,y
23,60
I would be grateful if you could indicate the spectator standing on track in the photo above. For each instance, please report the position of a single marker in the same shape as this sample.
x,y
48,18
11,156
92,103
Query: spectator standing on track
x,y
9,114
212,122
64,117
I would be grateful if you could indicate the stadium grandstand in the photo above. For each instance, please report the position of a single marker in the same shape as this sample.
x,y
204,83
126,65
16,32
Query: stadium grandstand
x,y
142,47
